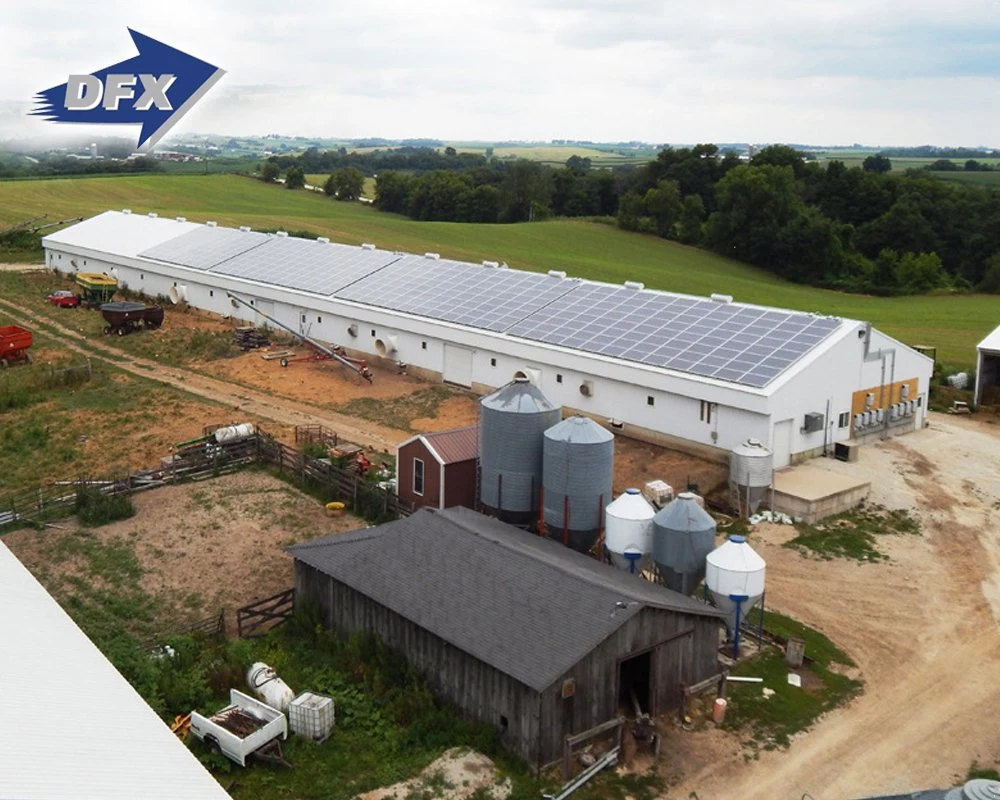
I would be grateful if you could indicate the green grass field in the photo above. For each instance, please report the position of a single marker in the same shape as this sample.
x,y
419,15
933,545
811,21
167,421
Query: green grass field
x,y
952,323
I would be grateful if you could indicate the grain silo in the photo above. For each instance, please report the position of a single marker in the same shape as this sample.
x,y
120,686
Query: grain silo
x,y
751,469
578,467
683,534
512,422
628,531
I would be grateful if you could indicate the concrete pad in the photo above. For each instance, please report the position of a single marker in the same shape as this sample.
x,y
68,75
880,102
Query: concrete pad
x,y
811,493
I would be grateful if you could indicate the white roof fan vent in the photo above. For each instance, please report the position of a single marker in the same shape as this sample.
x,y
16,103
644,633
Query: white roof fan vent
x,y
323,239
245,228
126,210
721,298
432,256
557,273
153,215
367,246
492,264
212,223
635,285
181,219
282,234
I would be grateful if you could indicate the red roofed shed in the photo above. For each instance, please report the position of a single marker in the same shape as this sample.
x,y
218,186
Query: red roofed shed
x,y
438,470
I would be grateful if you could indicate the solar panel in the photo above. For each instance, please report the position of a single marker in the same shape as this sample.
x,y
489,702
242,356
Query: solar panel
x,y
740,344
205,247
480,297
305,264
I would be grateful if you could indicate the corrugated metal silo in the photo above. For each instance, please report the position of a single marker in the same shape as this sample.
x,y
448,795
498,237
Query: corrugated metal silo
x,y
683,535
512,422
751,466
578,466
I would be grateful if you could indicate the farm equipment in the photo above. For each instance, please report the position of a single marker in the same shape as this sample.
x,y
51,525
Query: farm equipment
x,y
124,318
14,344
250,338
319,352
64,299
244,728
96,288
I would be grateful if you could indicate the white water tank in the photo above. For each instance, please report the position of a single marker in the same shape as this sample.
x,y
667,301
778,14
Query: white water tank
x,y
976,789
265,683
233,433
734,570
628,531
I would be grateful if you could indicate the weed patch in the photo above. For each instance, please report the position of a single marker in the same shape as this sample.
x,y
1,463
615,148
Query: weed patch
x,y
94,508
852,534
398,412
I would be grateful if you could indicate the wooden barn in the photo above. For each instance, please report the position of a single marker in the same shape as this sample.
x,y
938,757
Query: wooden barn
x,y
515,630
438,470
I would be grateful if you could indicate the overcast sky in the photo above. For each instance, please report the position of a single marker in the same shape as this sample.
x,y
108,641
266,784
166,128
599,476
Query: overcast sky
x,y
878,72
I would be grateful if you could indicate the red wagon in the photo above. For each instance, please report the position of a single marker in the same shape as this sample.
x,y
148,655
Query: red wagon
x,y
14,344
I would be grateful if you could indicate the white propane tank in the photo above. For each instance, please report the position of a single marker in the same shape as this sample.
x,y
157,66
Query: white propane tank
x,y
265,683
234,433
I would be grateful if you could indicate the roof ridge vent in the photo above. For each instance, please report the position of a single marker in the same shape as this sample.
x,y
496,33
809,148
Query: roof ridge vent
x,y
491,264
367,246
323,239
721,298
181,219
432,256
126,210
557,273
212,223
281,234
245,228
152,215
637,285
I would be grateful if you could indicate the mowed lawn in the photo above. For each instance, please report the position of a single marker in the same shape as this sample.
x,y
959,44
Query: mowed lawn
x,y
954,324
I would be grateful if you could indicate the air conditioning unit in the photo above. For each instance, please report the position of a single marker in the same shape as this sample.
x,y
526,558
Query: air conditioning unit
x,y
814,422
587,388
846,451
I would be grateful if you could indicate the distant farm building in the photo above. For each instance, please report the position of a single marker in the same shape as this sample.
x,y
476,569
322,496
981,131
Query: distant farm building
x,y
514,629
438,470
698,373
988,370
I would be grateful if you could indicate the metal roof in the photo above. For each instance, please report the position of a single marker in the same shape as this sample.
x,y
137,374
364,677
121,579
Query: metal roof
x,y
524,604
74,727
458,444
991,342
734,343
120,233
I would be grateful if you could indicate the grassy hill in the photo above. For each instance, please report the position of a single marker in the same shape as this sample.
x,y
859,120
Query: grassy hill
x,y
586,249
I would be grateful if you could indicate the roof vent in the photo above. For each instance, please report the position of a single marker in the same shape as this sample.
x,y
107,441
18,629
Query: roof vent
x,y
634,285
126,210
367,246
721,298
182,219
503,265
493,264
282,234
432,256
212,223
323,239
153,215
557,273
245,228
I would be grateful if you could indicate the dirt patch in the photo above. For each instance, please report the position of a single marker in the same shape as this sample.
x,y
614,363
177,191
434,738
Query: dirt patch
x,y
455,412
207,546
456,775
636,463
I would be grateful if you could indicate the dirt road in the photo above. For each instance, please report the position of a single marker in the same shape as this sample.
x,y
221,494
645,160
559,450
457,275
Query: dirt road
x,y
924,629
249,402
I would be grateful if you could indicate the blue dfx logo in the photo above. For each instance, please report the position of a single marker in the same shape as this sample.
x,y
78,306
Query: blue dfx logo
x,y
155,89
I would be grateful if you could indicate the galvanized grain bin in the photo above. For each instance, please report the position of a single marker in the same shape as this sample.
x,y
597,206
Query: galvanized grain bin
x,y
683,535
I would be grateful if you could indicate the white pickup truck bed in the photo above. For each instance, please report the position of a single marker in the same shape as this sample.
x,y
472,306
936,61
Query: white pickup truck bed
x,y
241,728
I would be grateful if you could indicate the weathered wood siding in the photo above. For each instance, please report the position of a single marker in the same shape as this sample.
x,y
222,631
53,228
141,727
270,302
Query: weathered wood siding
x,y
683,649
480,691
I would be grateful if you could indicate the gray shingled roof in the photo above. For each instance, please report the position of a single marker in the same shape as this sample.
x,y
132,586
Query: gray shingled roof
x,y
526,605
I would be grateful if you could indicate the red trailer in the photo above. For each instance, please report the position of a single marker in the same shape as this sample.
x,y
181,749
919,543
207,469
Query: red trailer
x,y
14,344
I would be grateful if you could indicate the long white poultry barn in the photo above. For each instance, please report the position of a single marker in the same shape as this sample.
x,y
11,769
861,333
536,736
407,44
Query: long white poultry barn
x,y
699,373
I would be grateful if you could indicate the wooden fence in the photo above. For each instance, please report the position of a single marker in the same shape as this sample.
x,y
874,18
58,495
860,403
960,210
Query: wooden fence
x,y
261,616
214,625
308,434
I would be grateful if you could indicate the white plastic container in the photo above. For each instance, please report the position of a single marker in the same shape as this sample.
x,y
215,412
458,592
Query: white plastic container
x,y
312,715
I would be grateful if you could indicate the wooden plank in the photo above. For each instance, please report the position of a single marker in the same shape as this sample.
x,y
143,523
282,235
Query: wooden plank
x,y
597,730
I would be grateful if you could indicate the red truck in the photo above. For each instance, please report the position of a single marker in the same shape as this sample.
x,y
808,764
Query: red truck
x,y
64,299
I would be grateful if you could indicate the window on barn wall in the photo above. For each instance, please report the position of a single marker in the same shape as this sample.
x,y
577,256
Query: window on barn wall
x,y
650,400
493,362
844,419
373,331
303,317
706,411
319,319
558,378
423,345
211,293
418,476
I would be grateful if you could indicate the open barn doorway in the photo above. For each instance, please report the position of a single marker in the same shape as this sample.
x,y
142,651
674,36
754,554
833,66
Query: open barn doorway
x,y
635,682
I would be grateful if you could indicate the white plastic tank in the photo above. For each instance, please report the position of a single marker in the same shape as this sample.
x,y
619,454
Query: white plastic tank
x,y
628,531
265,683
734,574
233,433
751,466
976,789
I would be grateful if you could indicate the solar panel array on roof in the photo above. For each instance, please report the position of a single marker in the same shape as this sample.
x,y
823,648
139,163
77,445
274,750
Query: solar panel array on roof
x,y
205,247
740,344
480,297
305,264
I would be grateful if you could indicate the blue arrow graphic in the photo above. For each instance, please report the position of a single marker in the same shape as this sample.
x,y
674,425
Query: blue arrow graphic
x,y
147,95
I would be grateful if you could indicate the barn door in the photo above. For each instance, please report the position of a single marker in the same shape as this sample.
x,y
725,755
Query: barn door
x,y
781,443
457,365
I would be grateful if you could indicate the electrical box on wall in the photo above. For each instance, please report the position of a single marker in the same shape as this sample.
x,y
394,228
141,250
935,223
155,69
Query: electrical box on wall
x,y
814,422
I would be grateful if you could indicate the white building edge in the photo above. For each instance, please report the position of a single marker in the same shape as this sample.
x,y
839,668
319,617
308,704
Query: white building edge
x,y
854,384
987,367
73,727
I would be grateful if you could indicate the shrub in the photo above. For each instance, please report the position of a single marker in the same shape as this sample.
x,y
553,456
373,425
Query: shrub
x,y
94,508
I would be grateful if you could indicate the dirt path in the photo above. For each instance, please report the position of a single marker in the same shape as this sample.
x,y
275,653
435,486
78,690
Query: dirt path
x,y
249,402
924,629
